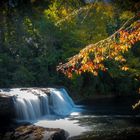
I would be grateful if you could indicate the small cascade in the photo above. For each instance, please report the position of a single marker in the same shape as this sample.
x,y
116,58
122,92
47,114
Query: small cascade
x,y
34,103
60,101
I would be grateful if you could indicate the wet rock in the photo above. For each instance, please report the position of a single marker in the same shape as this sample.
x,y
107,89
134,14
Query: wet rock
x,y
36,91
31,132
6,108
60,135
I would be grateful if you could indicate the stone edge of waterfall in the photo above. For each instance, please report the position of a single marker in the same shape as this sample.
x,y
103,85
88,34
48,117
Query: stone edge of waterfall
x,y
9,95
7,112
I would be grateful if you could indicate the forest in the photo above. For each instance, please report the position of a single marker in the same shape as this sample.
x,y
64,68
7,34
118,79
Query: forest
x,y
36,35
69,69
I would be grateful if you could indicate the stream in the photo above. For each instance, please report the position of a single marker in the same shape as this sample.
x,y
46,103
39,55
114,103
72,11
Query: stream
x,y
111,118
103,118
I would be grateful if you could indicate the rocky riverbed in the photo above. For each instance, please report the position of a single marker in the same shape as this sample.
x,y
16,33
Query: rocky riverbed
x,y
121,134
31,132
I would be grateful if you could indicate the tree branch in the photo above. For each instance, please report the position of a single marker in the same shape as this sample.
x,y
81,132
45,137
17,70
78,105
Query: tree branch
x,y
76,58
74,13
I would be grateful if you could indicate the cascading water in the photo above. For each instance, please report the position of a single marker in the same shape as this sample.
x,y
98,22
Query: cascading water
x,y
61,103
32,104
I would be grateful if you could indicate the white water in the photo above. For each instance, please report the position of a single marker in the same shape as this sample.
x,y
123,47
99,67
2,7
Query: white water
x,y
32,104
60,102
71,126
52,110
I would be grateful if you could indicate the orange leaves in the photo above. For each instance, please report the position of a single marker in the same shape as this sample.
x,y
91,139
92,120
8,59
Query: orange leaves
x,y
123,36
120,58
85,67
95,73
124,48
132,35
69,74
125,68
92,58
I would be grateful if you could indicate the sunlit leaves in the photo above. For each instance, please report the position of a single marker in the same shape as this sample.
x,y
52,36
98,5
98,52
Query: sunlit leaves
x,y
93,57
126,14
125,68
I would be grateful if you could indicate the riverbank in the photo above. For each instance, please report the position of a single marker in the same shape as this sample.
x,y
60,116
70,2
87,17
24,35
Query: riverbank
x,y
27,131
122,134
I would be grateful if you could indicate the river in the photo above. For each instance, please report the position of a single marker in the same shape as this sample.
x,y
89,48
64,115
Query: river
x,y
107,118
101,118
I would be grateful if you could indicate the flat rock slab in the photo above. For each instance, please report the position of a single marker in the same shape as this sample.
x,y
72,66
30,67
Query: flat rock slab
x,y
32,132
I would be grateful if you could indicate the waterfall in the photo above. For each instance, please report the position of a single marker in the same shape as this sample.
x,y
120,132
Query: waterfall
x,y
61,103
34,103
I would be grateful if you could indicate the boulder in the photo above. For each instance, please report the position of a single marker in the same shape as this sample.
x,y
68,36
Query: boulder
x,y
32,132
6,108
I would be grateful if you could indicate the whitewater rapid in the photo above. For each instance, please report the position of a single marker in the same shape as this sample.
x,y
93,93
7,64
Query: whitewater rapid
x,y
46,107
34,103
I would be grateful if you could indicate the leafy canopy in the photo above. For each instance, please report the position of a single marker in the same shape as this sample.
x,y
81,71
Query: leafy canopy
x,y
93,57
